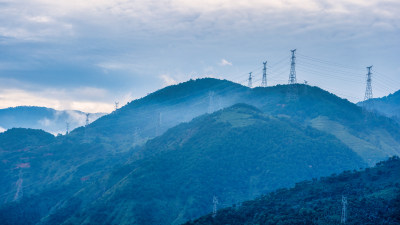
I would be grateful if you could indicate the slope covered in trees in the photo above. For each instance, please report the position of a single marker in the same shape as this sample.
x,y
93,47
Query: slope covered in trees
x,y
373,197
236,153
371,136
388,105
71,163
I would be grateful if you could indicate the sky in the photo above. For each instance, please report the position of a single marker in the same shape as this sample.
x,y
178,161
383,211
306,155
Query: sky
x,y
86,55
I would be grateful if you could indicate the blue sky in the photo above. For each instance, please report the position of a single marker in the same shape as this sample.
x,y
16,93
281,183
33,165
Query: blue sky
x,y
87,54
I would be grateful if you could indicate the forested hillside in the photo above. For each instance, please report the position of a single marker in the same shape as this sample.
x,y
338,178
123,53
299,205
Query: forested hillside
x,y
373,197
237,153
80,168
371,136
388,105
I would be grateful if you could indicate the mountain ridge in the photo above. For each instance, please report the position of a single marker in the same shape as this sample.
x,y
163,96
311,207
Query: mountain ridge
x,y
236,153
88,154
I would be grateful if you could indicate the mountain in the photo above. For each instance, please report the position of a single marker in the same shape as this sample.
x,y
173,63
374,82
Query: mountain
x,y
373,137
40,170
388,105
71,164
47,119
17,144
373,197
236,153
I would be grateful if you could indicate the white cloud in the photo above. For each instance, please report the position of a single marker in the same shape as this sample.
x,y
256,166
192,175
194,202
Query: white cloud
x,y
80,99
225,62
2,129
168,80
40,19
46,122
49,18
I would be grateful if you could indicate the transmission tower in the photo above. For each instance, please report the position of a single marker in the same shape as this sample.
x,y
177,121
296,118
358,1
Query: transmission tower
x,y
264,78
292,75
210,102
87,119
116,105
367,104
215,202
158,124
368,90
67,128
250,80
344,205
292,90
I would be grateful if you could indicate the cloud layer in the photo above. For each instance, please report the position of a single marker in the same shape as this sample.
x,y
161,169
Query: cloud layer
x,y
104,50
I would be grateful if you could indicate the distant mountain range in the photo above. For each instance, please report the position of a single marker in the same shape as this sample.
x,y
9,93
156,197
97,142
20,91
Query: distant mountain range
x,y
47,119
171,137
372,196
388,106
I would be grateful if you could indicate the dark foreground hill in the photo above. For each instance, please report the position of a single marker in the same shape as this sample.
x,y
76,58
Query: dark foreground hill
x,y
38,171
237,153
373,197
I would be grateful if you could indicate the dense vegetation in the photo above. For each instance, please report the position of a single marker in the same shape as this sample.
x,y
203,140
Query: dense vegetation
x,y
19,139
373,137
77,173
388,105
39,171
373,197
237,154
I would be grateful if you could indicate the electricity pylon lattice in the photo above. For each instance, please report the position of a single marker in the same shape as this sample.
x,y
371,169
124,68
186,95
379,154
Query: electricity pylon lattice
x,y
215,202
264,78
368,91
210,102
250,84
116,105
292,75
67,128
344,205
87,119
292,90
158,127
